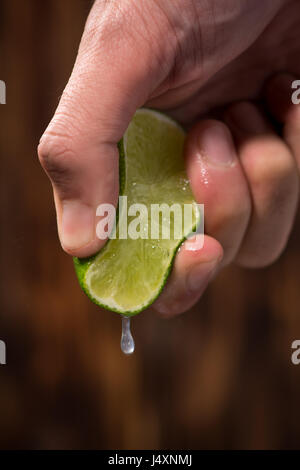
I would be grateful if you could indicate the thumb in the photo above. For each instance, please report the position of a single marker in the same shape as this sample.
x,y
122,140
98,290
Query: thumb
x,y
79,147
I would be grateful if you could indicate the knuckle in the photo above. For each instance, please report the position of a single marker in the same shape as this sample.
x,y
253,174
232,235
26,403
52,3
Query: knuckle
x,y
273,164
55,156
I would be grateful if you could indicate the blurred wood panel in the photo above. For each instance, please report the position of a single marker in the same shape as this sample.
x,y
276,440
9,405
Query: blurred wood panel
x,y
217,377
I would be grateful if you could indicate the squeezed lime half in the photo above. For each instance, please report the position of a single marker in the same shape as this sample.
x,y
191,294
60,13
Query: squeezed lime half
x,y
127,275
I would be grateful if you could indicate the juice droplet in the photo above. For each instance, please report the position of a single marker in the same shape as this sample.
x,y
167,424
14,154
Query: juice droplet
x,y
127,342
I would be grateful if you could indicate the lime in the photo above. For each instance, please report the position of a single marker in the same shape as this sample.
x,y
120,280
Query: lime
x,y
129,272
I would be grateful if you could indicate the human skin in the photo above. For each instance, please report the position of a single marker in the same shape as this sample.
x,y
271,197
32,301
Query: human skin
x,y
192,59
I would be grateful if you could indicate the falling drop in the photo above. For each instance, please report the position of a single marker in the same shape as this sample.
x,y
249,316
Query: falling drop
x,y
127,342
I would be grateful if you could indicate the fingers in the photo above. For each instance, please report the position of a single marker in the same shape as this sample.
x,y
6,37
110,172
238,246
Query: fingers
x,y
218,182
250,201
273,182
193,269
79,147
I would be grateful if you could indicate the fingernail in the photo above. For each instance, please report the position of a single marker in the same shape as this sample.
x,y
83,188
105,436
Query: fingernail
x,y
77,225
216,145
247,118
200,275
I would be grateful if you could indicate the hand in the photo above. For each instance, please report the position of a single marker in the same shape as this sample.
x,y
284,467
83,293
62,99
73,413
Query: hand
x,y
183,57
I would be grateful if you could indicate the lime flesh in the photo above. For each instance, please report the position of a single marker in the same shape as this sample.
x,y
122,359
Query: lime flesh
x,y
127,275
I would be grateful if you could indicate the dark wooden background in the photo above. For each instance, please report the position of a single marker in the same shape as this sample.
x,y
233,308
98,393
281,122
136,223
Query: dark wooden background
x,y
218,377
